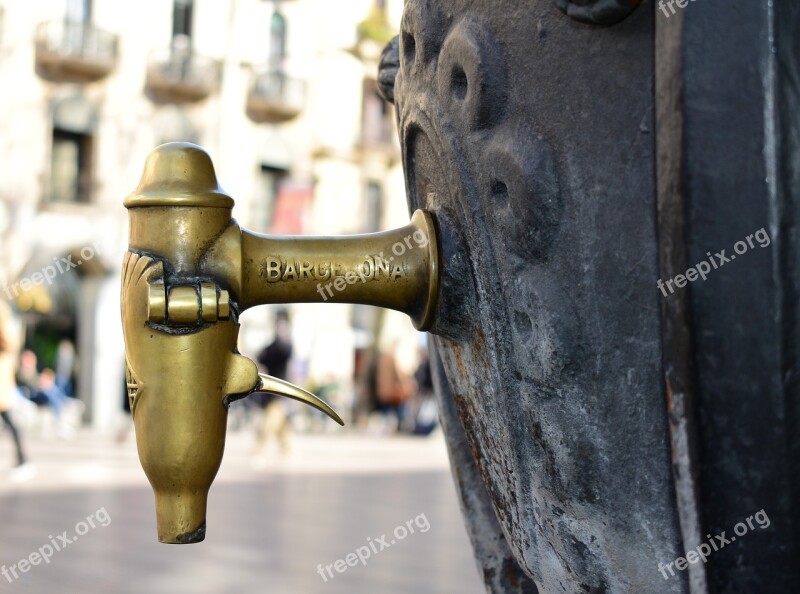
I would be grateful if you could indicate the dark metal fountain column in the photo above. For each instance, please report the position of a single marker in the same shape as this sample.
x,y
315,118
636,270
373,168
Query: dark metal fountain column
x,y
573,154
728,165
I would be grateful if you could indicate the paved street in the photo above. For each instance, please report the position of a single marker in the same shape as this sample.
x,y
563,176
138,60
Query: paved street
x,y
269,525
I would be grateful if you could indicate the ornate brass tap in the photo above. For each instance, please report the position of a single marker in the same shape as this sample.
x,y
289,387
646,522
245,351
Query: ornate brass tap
x,y
189,273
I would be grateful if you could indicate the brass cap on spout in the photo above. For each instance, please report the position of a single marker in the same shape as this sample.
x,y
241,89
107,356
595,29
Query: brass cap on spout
x,y
179,174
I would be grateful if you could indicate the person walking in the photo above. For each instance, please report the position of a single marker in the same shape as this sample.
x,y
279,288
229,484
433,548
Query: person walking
x,y
274,359
394,390
9,348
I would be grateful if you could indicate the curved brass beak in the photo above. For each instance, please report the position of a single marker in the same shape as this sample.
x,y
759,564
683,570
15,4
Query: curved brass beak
x,y
276,386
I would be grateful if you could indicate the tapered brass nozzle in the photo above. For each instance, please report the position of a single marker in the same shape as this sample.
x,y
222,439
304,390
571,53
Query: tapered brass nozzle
x,y
181,516
189,272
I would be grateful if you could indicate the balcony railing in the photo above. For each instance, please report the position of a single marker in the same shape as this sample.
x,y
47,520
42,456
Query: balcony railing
x,y
176,76
274,97
68,51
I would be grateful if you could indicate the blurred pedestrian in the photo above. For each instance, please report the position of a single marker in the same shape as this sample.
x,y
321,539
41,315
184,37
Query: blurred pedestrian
x,y
424,403
394,390
48,393
67,411
65,366
274,359
43,390
28,373
9,347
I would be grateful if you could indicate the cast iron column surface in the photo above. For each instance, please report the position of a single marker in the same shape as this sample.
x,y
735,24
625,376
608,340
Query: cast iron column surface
x,y
573,154
530,137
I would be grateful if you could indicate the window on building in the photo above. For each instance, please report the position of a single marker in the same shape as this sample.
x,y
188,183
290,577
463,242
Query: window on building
x,y
70,170
377,117
373,203
277,40
79,11
182,19
263,209
78,19
179,66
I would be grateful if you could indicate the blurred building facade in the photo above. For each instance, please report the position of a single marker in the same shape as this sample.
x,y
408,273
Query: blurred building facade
x,y
281,94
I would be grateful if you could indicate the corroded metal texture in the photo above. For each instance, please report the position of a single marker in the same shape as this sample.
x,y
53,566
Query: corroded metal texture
x,y
496,563
531,141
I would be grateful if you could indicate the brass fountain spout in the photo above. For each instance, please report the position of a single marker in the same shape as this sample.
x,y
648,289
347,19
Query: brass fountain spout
x,y
189,272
